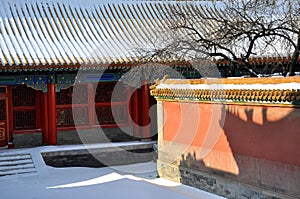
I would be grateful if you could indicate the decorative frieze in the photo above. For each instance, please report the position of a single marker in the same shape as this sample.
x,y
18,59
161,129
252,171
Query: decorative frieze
x,y
232,95
254,90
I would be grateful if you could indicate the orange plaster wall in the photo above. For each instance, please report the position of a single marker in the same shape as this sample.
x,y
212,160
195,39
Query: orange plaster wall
x,y
183,122
270,133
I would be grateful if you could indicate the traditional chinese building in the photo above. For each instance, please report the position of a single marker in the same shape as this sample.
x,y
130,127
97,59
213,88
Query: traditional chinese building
x,y
75,66
48,47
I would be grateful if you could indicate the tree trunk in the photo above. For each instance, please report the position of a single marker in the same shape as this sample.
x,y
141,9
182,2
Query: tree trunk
x,y
294,60
252,72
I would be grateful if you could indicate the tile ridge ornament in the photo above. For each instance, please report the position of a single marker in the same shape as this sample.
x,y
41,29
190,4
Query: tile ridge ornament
x,y
157,82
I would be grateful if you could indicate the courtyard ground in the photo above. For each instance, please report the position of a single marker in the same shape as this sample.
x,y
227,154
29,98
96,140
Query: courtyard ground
x,y
138,181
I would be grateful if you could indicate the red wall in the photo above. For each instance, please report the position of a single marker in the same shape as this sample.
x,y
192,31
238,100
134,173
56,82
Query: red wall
x,y
256,145
266,132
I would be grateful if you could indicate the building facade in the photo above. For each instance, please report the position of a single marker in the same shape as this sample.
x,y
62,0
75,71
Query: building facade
x,y
50,48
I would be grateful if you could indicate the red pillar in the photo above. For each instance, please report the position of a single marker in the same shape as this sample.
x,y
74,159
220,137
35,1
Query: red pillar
x,y
10,117
45,118
135,113
52,129
91,100
145,123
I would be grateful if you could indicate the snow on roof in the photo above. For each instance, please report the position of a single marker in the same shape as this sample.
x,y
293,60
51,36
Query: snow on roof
x,y
236,83
63,32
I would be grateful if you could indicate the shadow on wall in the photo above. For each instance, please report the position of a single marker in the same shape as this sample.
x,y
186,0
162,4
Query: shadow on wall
x,y
270,133
258,146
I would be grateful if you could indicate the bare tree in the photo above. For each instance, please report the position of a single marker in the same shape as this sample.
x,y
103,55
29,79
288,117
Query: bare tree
x,y
233,30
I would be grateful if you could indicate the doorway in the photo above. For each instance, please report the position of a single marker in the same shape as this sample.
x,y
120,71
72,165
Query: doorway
x,y
4,136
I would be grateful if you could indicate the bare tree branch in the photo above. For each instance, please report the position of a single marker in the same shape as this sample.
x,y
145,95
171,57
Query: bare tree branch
x,y
231,30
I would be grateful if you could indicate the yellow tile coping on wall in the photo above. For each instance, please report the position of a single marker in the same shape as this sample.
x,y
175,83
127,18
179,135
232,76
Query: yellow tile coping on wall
x,y
273,90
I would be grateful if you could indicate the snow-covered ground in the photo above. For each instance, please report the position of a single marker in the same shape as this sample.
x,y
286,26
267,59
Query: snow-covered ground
x,y
100,183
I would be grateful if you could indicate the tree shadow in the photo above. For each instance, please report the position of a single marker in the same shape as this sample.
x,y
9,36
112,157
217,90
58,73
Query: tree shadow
x,y
258,146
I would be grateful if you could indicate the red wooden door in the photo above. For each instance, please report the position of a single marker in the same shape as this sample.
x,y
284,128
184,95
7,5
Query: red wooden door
x,y
3,118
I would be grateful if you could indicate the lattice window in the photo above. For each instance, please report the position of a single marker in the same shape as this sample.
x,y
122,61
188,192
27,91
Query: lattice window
x,y
2,110
2,90
105,115
65,116
110,92
23,96
65,96
103,104
25,119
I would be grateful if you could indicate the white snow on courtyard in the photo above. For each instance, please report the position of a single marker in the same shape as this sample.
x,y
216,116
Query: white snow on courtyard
x,y
89,183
